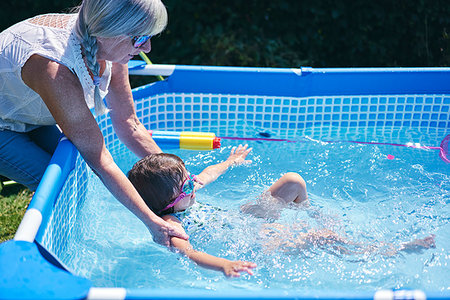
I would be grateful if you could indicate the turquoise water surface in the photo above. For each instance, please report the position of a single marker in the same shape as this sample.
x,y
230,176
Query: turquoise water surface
x,y
369,194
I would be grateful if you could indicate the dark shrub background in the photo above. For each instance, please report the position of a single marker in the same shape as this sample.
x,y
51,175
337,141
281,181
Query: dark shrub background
x,y
289,33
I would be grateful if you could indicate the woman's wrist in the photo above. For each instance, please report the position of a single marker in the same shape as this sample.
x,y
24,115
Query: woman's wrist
x,y
152,221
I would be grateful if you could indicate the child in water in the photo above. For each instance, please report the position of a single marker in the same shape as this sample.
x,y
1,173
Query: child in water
x,y
169,190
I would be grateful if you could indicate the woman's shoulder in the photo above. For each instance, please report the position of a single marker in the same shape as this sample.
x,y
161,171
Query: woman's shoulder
x,y
49,31
53,21
46,35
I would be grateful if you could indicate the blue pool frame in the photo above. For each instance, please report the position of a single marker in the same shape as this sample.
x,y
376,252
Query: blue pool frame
x,y
27,270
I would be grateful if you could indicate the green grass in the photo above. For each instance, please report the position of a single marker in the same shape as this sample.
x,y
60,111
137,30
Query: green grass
x,y
14,200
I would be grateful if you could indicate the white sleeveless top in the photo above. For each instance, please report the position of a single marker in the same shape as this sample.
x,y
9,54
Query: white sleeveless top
x,y
51,36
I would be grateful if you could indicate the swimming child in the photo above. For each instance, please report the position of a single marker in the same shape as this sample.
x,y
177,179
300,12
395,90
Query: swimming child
x,y
169,189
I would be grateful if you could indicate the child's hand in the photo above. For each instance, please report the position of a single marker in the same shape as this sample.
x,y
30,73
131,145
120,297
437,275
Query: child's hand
x,y
233,268
238,155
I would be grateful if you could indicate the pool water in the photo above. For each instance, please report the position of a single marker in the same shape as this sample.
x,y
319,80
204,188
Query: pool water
x,y
370,194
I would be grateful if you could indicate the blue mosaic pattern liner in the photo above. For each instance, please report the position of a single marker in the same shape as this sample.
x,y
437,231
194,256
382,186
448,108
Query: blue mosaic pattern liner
x,y
61,222
182,111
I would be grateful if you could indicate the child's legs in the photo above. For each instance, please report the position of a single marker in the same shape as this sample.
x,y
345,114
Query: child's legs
x,y
21,159
291,187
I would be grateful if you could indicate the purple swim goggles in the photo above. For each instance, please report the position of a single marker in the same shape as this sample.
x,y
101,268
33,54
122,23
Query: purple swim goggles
x,y
186,190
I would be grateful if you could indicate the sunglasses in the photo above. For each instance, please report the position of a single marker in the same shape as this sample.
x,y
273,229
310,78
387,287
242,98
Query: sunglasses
x,y
186,190
139,41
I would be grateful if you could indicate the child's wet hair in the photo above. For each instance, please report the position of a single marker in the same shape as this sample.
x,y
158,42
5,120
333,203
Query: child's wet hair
x,y
157,179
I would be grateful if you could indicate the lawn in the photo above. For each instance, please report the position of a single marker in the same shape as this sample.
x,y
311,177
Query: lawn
x,y
14,199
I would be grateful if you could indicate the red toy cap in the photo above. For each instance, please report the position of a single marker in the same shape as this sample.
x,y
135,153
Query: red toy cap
x,y
216,143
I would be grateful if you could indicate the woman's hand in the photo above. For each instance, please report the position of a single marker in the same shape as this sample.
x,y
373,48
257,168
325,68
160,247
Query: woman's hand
x,y
238,155
234,268
162,231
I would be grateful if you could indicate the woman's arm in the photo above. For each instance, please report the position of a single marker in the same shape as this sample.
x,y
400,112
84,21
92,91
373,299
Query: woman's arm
x,y
237,157
62,93
123,115
228,267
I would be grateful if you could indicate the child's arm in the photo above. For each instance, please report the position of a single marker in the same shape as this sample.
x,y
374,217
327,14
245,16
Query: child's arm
x,y
237,157
228,267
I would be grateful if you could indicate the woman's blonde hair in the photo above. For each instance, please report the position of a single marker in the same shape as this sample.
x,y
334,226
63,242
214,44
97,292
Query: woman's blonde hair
x,y
113,18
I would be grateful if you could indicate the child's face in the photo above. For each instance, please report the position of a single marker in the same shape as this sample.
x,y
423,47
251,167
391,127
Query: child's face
x,y
189,199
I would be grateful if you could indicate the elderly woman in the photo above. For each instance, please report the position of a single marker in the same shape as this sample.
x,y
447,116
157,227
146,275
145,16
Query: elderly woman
x,y
54,69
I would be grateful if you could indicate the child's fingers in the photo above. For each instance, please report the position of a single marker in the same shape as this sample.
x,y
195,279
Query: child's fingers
x,y
236,272
244,154
244,267
241,148
249,264
233,150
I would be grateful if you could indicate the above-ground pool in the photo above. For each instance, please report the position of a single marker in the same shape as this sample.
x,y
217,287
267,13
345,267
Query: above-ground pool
x,y
371,144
